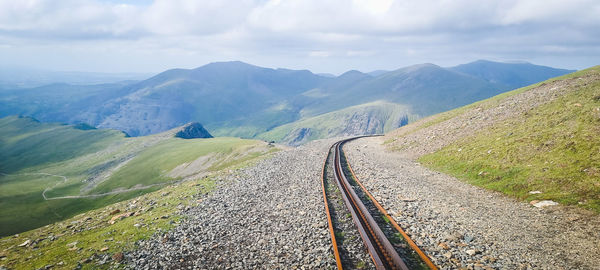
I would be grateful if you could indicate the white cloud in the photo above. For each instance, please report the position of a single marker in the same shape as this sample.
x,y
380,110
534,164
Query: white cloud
x,y
375,7
71,19
347,33
319,54
352,53
183,17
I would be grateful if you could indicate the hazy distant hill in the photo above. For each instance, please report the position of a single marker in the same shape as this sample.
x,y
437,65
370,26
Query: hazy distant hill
x,y
510,75
239,99
406,93
59,102
426,88
377,72
18,77
212,95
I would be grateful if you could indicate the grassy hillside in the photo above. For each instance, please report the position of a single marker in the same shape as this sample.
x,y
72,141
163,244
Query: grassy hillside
x,y
369,118
24,142
151,165
89,240
75,169
552,147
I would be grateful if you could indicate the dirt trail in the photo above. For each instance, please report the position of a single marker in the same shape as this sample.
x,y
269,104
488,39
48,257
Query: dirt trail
x,y
65,179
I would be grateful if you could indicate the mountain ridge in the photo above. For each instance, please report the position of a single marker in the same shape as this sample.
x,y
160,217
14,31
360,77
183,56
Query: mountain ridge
x,y
239,99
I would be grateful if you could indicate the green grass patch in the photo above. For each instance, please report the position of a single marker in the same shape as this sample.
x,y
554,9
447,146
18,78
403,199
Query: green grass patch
x,y
152,165
25,143
92,233
554,148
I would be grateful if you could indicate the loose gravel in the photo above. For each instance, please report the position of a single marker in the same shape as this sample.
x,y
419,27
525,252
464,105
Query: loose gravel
x,y
462,226
268,216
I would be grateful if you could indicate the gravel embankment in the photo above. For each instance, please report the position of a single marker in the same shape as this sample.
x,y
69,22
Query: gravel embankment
x,y
460,225
268,216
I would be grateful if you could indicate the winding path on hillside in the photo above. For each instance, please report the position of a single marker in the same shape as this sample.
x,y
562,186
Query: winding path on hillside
x,y
102,194
65,179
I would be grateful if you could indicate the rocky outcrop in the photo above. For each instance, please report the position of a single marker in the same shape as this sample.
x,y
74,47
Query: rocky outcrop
x,y
193,130
366,119
298,136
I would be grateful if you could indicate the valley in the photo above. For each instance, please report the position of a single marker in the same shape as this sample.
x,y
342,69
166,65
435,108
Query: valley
x,y
51,171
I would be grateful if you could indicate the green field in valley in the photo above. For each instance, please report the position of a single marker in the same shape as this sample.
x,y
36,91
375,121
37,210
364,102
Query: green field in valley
x,y
88,164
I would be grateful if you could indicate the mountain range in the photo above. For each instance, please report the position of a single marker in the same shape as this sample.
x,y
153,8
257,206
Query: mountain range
x,y
243,100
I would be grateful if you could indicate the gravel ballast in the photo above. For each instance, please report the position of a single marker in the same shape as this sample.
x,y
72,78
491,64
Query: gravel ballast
x,y
462,226
267,216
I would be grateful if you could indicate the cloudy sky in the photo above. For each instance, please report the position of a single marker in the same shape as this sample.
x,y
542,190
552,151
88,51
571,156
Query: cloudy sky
x,y
321,35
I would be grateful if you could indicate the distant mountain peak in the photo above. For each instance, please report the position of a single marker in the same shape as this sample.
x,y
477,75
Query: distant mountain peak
x,y
418,67
424,65
230,64
353,73
479,61
509,75
193,130
490,62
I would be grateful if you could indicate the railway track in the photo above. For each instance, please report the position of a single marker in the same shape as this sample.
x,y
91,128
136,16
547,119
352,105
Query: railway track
x,y
387,244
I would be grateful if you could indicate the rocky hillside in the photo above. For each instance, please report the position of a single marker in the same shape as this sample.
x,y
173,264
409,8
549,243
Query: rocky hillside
x,y
371,118
537,143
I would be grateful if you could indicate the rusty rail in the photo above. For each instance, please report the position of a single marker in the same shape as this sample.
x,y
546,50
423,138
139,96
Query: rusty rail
x,y
380,249
336,251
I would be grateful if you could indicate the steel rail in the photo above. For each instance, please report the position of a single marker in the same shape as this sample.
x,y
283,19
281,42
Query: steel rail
x,y
355,217
382,252
336,251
